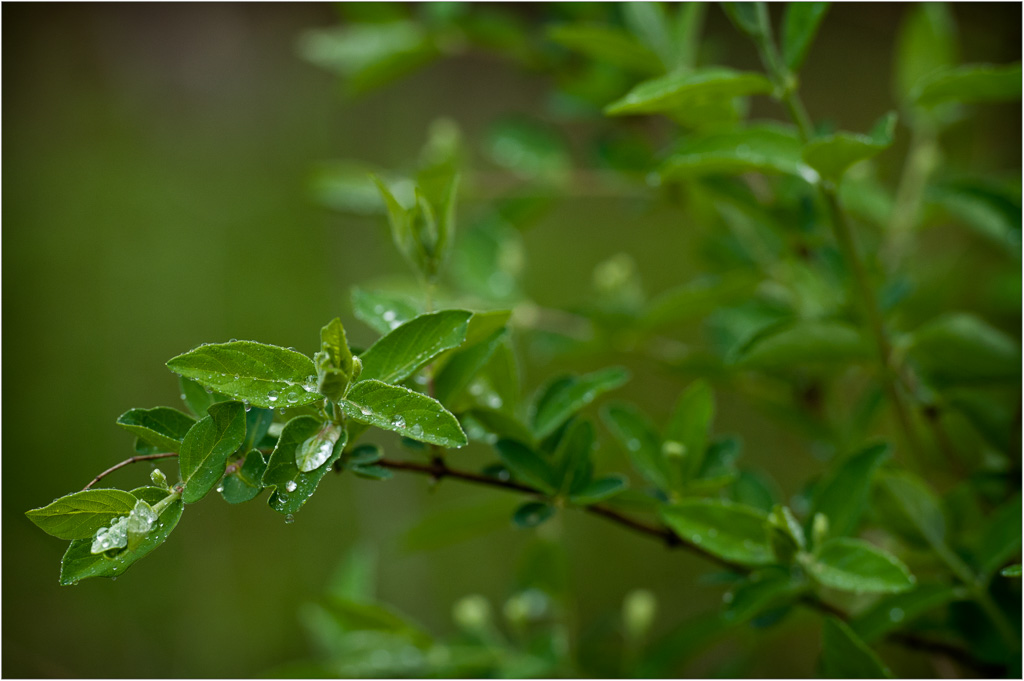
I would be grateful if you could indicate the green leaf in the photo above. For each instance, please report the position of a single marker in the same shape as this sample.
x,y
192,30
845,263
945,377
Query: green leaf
x,y
532,149
639,440
899,610
926,42
991,209
678,90
799,27
197,398
728,530
80,563
246,483
257,425
292,487
845,656
832,155
785,534
916,511
762,590
572,457
381,311
697,299
335,366
749,17
686,34
843,497
372,472
606,44
79,515
599,490
263,375
459,371
346,187
403,411
402,352
968,84
766,148
532,514
526,465
564,396
959,348
805,342
318,448
649,23
686,434
1000,537
162,427
207,446
1012,571
855,565
756,489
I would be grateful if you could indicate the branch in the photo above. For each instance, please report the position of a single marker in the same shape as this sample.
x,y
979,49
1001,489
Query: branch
x,y
130,460
438,470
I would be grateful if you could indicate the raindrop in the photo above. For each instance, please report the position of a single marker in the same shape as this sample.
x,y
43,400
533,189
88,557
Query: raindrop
x,y
289,519
292,398
182,396
291,485
388,316
398,421
634,444
365,411
236,377
283,498
494,402
272,396
248,407
417,430
220,488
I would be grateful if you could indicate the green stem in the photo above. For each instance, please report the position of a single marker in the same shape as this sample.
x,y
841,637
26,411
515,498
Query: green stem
x,y
921,159
159,506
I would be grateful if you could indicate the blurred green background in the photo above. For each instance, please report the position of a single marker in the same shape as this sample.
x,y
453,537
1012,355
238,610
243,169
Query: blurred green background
x,y
156,195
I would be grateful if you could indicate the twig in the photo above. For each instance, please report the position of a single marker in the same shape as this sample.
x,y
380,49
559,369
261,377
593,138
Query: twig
x,y
126,462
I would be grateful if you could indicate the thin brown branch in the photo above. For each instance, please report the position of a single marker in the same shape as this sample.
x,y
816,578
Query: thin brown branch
x,y
130,460
438,470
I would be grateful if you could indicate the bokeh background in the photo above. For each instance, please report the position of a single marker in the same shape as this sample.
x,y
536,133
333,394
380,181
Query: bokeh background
x,y
156,194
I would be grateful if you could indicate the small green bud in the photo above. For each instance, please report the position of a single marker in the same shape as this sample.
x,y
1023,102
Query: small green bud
x,y
159,479
673,449
638,612
819,529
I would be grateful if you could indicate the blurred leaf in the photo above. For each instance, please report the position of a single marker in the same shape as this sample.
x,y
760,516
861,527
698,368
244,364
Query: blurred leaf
x,y
406,412
501,424
843,497
832,155
562,397
489,259
855,565
256,373
457,373
749,17
990,209
1000,538
754,489
80,563
599,490
649,22
79,515
404,350
686,34
678,90
804,342
346,186
640,441
897,611
968,84
292,488
728,530
529,149
207,446
606,44
246,483
799,27
785,534
926,42
718,468
162,427
371,472
1012,571
696,299
532,514
526,465
572,464
845,656
766,147
354,616
960,348
383,312
759,591
686,434
916,511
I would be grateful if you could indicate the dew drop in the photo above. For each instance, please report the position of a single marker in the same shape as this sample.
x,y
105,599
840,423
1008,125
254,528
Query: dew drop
x,y
220,488
236,377
291,485
282,499
289,519
272,396
634,445
494,402
182,396
398,421
365,411
292,398
388,316
416,429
